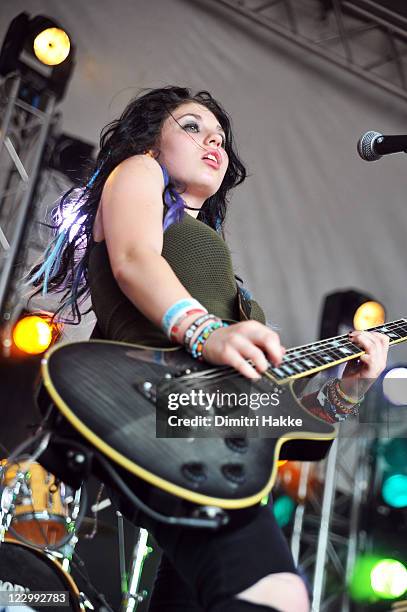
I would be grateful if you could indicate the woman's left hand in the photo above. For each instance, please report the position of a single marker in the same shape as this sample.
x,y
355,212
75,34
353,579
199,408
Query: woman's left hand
x,y
361,373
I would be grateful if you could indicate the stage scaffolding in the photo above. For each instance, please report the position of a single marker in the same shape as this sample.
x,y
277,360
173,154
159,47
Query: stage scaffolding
x,y
325,531
362,37
26,122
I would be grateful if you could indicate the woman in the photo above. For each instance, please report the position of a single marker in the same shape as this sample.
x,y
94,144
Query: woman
x,y
148,245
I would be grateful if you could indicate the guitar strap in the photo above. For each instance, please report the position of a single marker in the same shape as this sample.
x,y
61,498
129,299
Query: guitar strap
x,y
244,304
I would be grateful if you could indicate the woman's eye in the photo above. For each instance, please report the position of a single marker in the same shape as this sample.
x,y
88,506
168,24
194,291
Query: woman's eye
x,y
195,127
188,126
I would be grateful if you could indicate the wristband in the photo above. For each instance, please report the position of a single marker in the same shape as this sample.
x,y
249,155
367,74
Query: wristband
x,y
176,310
174,328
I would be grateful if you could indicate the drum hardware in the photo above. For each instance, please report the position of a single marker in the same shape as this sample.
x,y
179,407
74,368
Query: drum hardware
x,y
41,514
130,584
10,492
6,511
95,510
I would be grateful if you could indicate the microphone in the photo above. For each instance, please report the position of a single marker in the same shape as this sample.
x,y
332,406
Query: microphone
x,y
373,145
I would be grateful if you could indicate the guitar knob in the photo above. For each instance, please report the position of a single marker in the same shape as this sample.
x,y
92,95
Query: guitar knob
x,y
194,472
234,472
237,445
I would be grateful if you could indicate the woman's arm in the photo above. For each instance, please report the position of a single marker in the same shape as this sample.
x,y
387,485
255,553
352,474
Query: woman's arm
x,y
132,212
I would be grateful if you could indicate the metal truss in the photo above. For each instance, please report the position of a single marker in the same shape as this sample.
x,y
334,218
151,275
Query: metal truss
x,y
325,533
25,126
362,37
325,529
339,502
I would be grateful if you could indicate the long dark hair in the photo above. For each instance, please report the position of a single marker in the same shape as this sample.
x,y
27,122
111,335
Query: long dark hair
x,y
64,267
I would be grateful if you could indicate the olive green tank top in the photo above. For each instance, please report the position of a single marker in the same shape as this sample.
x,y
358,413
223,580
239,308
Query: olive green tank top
x,y
201,260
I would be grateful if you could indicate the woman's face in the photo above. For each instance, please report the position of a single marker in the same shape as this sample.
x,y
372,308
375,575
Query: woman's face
x,y
187,138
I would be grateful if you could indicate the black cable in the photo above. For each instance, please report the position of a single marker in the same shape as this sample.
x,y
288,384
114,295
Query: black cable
x,y
214,523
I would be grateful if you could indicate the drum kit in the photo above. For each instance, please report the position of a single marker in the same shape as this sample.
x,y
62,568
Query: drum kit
x,y
41,521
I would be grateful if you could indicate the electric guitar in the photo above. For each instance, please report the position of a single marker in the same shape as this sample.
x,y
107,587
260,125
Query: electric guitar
x,y
109,393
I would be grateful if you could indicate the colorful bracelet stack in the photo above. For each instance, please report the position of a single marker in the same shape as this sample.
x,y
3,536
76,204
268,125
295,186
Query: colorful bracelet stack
x,y
193,328
335,402
197,347
196,334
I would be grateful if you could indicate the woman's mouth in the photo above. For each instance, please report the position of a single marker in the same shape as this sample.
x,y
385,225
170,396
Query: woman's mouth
x,y
213,158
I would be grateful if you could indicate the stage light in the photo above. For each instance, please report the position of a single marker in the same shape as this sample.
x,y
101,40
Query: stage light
x,y
34,333
394,385
283,509
369,314
352,309
289,477
52,46
360,585
374,578
389,579
394,490
41,53
392,455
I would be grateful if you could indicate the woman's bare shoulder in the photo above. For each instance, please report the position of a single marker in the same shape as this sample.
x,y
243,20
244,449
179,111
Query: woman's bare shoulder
x,y
136,168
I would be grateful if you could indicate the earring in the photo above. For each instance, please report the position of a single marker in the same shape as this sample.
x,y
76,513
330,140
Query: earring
x,y
150,153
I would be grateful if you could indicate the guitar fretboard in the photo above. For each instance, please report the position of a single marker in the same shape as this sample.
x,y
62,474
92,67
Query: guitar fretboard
x,y
309,358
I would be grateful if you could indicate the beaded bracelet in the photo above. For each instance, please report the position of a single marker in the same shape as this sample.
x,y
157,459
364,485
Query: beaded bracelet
x,y
331,402
190,332
337,400
174,328
338,404
198,346
347,398
348,407
174,311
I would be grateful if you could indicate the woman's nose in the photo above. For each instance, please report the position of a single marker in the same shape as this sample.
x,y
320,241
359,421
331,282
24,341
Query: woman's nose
x,y
214,140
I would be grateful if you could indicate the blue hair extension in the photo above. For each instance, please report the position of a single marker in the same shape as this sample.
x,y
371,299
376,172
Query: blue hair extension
x,y
175,210
51,254
54,251
175,204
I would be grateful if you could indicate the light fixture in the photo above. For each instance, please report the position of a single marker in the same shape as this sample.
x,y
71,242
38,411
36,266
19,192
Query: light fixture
x,y
388,578
52,46
41,52
352,309
393,461
33,333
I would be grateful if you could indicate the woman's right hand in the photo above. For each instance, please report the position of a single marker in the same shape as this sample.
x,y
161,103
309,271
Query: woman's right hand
x,y
235,344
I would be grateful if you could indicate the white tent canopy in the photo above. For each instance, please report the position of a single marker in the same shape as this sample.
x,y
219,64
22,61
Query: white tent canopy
x,y
312,217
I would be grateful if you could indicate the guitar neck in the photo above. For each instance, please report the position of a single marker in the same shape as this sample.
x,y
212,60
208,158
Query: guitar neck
x,y
311,358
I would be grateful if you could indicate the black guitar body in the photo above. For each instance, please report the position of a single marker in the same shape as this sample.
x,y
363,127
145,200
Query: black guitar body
x,y
100,398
